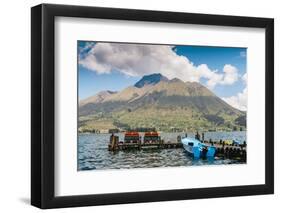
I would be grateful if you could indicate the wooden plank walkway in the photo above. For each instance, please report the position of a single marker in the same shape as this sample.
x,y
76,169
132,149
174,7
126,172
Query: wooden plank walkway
x,y
139,146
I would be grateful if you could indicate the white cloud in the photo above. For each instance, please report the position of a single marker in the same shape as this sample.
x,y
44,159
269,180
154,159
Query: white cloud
x,y
86,47
139,60
228,77
243,54
238,101
245,78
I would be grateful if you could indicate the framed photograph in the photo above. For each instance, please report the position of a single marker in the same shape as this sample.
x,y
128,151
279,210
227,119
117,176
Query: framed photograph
x,y
139,106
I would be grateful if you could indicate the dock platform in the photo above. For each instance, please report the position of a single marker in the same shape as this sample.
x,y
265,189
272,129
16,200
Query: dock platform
x,y
139,146
225,151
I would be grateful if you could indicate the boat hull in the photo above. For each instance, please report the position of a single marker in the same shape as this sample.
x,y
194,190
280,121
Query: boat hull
x,y
197,149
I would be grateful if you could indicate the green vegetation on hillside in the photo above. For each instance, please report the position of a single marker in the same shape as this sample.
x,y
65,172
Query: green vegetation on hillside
x,y
166,105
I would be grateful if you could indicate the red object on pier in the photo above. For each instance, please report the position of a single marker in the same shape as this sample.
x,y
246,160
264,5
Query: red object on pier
x,y
151,134
132,137
151,137
133,133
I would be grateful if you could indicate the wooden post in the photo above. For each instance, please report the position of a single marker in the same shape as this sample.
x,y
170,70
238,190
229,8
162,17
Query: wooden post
x,y
139,144
113,144
179,138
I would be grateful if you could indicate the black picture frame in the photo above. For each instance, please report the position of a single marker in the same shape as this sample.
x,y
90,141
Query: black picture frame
x,y
43,102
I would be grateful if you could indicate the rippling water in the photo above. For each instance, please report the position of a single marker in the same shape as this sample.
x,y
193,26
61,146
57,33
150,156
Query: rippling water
x,y
93,153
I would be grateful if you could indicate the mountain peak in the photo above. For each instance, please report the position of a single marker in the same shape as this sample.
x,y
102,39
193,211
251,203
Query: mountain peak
x,y
105,92
175,80
150,79
98,98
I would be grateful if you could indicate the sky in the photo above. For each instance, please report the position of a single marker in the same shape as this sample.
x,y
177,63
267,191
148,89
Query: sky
x,y
115,66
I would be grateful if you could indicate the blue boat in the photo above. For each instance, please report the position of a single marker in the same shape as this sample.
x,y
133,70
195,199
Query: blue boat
x,y
236,142
198,149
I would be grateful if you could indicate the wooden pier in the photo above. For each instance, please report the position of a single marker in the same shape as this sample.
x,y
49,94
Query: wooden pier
x,y
223,150
139,146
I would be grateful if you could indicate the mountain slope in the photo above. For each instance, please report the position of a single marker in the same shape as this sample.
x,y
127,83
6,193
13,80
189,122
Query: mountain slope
x,y
157,102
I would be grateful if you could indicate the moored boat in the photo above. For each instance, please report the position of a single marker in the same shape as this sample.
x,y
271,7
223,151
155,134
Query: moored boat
x,y
198,149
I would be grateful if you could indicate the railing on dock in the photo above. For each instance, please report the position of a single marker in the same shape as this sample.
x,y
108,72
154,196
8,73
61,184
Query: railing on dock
x,y
223,150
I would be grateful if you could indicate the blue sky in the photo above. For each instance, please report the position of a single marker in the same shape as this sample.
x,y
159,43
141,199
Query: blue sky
x,y
114,66
216,58
91,83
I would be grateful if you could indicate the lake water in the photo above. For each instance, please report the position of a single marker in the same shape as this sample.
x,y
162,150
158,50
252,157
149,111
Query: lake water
x,y
93,153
